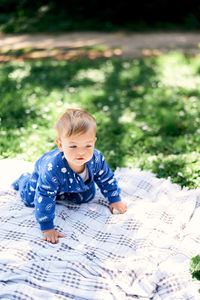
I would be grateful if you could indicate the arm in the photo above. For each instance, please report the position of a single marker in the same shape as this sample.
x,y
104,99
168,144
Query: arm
x,y
108,185
105,179
45,195
45,200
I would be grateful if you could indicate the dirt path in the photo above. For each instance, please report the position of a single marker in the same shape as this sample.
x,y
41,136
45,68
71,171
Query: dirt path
x,y
125,44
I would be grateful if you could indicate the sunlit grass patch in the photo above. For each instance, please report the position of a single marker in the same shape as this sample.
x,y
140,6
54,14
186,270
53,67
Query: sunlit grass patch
x,y
176,70
147,110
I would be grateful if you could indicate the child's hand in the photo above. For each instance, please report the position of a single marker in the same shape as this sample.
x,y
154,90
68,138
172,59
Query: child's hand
x,y
120,206
52,236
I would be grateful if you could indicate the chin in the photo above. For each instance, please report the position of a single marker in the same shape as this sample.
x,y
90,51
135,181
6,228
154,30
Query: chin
x,y
80,162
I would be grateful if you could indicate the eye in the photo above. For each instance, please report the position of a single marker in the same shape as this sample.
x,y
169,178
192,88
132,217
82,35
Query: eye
x,y
89,146
72,147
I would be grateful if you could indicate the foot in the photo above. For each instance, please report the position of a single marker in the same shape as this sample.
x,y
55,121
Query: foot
x,y
16,184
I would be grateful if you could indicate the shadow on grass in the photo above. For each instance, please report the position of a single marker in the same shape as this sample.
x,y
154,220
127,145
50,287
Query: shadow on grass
x,y
138,117
115,134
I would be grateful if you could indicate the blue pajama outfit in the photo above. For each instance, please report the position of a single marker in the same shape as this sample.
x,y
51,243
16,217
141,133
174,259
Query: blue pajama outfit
x,y
53,179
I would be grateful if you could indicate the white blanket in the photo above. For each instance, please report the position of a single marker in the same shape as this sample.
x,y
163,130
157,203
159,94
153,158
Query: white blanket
x,y
143,254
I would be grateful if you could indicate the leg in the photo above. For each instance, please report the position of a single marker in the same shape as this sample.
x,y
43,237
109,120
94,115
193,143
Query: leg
x,y
26,185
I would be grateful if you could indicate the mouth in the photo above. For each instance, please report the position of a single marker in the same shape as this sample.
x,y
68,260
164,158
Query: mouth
x,y
80,158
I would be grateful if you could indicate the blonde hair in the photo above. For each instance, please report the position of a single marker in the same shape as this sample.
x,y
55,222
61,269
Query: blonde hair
x,y
74,121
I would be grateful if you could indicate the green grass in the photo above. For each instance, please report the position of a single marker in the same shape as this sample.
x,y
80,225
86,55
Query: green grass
x,y
195,267
147,110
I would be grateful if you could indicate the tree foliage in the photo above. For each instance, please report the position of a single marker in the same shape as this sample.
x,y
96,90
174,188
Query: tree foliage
x,y
66,15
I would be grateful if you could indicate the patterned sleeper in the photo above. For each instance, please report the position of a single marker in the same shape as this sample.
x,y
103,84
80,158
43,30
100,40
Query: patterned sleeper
x,y
53,179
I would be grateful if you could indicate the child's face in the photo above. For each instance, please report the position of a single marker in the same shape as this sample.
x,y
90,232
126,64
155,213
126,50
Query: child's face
x,y
78,149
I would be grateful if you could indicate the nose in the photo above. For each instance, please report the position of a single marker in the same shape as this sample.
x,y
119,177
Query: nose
x,y
81,151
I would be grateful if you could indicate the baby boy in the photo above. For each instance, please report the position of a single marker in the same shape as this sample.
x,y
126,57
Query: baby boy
x,y
69,172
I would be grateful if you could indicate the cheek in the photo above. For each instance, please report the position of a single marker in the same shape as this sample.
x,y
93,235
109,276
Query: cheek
x,y
68,152
90,152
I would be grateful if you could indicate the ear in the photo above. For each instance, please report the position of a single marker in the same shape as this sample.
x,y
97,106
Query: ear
x,y
95,139
59,144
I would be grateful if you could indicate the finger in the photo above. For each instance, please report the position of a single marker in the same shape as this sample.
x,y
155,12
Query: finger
x,y
55,241
124,210
61,235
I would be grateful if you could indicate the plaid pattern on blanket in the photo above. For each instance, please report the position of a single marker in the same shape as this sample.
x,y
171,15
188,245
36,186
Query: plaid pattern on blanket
x,y
143,254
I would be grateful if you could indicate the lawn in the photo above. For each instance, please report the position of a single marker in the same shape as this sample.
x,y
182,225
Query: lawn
x,y
147,109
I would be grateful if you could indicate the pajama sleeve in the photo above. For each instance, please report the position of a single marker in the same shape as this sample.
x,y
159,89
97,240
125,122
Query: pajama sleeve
x,y
45,199
105,179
